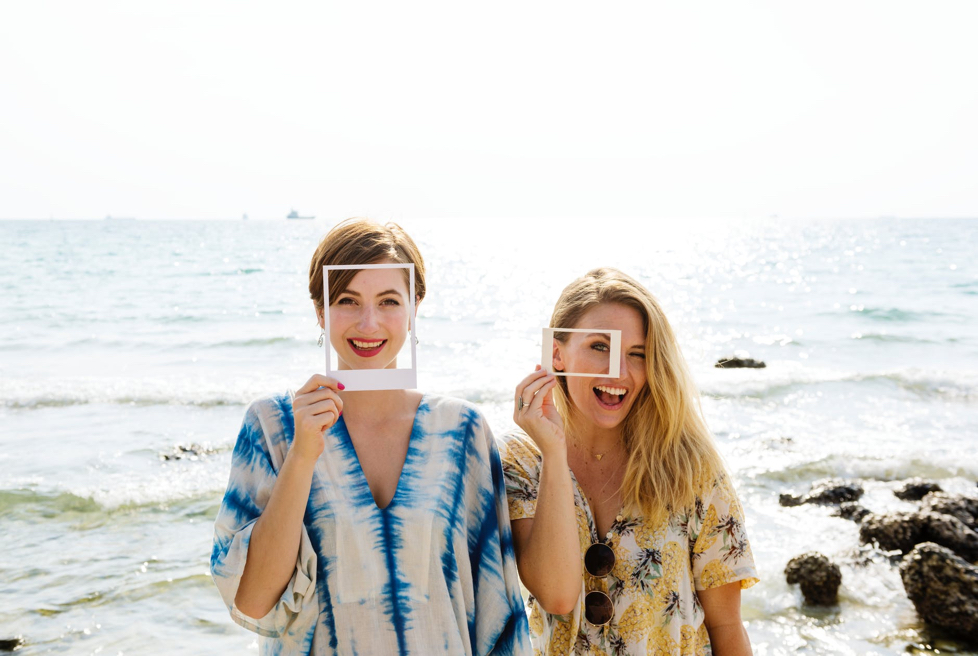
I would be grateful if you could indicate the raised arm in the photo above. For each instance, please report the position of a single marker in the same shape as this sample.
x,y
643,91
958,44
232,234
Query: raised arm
x,y
548,551
274,544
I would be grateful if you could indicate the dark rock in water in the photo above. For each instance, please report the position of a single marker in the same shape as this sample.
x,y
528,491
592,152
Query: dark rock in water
x,y
964,508
11,644
852,510
789,500
827,492
943,589
188,452
903,531
916,489
739,363
818,576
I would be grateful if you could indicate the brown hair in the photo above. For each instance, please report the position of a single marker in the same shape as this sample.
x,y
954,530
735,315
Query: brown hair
x,y
671,454
362,241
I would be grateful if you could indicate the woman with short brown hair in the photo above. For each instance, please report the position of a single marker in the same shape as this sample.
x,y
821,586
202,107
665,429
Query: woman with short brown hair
x,y
369,522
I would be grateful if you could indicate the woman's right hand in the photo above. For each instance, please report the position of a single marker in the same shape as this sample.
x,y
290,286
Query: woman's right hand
x,y
315,408
539,416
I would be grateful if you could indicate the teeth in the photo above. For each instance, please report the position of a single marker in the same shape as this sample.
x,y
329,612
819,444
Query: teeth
x,y
611,390
367,345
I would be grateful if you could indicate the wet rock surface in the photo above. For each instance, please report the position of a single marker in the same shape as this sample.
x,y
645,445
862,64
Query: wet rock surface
x,y
818,577
852,510
739,363
903,531
943,588
916,489
826,492
187,452
965,509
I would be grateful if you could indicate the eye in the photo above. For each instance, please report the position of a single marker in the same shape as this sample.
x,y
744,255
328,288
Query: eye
x,y
637,355
346,300
390,302
599,346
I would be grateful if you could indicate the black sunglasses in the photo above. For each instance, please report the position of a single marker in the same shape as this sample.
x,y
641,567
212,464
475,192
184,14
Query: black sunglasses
x,y
599,560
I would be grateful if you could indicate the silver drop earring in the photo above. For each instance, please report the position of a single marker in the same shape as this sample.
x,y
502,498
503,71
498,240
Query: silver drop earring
x,y
322,337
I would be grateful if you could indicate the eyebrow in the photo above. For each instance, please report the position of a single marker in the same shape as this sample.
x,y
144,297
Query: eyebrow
x,y
383,293
607,336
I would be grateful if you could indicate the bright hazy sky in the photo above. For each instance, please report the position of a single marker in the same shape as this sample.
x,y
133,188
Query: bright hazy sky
x,y
207,109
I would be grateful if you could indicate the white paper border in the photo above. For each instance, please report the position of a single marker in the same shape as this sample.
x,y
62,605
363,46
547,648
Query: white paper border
x,y
363,380
547,355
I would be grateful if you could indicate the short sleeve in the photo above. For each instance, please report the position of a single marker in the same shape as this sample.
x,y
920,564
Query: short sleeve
x,y
249,489
521,471
721,553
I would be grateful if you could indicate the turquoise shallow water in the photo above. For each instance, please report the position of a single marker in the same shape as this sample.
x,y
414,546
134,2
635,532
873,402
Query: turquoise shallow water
x,y
123,340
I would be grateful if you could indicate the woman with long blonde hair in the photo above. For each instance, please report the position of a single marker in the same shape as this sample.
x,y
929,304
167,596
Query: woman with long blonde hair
x,y
628,532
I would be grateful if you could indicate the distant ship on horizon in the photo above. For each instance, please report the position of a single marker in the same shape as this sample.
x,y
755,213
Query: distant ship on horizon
x,y
295,215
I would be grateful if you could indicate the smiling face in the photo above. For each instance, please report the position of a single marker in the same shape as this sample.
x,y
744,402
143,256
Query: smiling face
x,y
601,401
369,320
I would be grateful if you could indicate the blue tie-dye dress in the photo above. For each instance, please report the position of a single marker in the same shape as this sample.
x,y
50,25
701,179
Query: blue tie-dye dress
x,y
432,573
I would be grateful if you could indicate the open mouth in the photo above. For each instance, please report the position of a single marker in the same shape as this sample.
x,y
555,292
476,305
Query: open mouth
x,y
610,398
367,348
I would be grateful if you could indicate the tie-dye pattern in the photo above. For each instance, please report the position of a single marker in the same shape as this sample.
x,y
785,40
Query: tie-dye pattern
x,y
433,573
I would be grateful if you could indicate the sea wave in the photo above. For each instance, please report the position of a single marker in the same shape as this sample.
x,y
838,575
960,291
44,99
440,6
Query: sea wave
x,y
95,505
204,393
780,378
871,467
899,339
898,315
45,504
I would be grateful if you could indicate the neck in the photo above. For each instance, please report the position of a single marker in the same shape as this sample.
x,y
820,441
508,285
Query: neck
x,y
595,440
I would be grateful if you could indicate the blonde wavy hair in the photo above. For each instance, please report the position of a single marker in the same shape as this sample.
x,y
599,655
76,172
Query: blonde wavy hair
x,y
672,457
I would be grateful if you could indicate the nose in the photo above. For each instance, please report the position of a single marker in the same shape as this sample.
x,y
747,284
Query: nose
x,y
623,365
367,321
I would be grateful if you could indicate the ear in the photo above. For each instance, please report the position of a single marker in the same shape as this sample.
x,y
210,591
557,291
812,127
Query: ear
x,y
320,318
558,359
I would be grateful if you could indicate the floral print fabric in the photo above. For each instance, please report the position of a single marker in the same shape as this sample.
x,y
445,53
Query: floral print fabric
x,y
658,568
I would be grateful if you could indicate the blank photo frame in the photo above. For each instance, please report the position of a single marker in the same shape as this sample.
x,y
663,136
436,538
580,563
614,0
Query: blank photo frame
x,y
614,352
358,380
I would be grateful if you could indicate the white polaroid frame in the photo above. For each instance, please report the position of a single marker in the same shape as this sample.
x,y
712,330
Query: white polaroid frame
x,y
361,380
547,356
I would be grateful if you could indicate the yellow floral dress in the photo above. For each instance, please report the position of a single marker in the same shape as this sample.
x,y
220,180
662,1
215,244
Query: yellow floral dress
x,y
658,568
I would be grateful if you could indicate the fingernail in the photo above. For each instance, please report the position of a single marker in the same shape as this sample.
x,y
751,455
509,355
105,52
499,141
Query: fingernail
x,y
341,386
341,413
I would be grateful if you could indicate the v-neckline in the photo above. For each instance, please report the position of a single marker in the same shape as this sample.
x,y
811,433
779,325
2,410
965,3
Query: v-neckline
x,y
589,512
345,434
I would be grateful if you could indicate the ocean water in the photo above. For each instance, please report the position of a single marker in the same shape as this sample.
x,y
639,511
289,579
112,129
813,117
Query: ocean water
x,y
123,341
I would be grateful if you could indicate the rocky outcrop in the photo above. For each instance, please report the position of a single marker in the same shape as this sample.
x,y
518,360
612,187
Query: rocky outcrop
x,y
826,492
852,510
965,509
818,577
903,531
11,644
739,363
943,589
188,452
916,489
